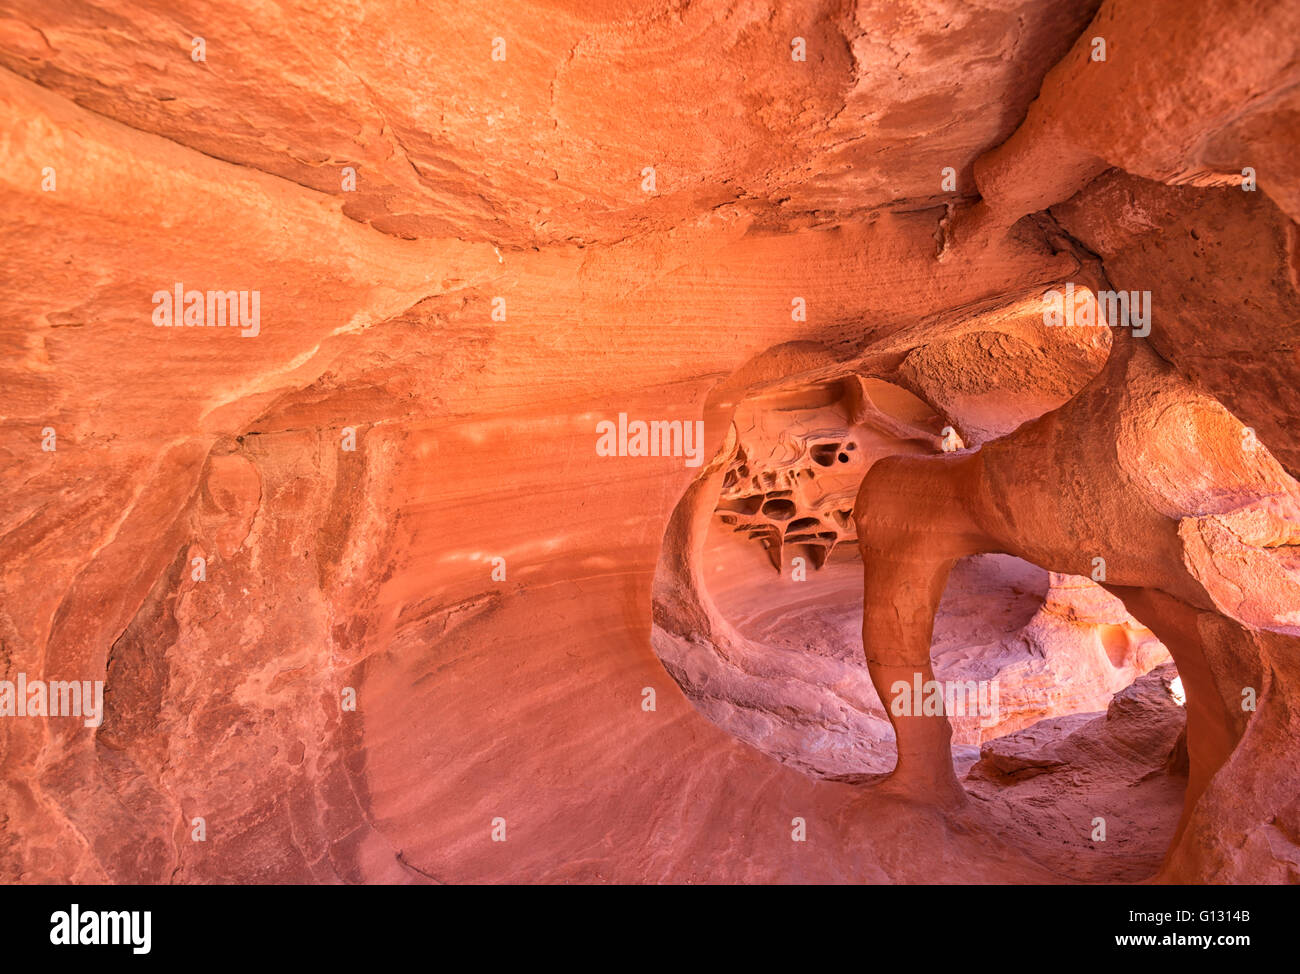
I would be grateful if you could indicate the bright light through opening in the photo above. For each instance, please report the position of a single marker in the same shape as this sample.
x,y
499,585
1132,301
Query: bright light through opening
x,y
1176,691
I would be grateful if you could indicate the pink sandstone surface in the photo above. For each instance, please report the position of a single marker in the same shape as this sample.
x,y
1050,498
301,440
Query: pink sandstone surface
x,y
647,669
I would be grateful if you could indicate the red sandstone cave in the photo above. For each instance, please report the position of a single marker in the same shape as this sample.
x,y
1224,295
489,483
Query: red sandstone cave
x,y
648,441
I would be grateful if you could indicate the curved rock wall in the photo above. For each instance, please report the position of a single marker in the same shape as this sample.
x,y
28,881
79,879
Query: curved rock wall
x,y
369,602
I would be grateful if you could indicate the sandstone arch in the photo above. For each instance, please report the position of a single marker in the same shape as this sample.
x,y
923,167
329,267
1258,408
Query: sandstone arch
x,y
1069,487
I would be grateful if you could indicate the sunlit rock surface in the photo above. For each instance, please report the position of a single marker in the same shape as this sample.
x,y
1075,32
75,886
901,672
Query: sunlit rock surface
x,y
822,230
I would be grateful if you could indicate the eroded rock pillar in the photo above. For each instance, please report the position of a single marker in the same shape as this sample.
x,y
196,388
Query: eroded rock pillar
x,y
912,529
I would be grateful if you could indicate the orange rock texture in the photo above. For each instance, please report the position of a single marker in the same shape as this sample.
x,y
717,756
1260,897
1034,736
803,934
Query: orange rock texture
x,y
641,441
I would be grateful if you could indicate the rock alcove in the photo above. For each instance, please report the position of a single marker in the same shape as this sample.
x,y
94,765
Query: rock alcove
x,y
469,255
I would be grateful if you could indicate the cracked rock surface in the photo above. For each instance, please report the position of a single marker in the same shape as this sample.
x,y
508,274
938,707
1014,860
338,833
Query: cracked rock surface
x,y
390,495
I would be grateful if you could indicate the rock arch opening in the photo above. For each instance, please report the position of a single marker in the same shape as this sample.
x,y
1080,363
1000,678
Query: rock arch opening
x,y
759,610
